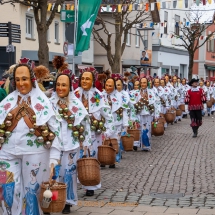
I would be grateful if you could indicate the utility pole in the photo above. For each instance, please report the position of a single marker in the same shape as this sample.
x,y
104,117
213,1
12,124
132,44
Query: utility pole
x,y
10,42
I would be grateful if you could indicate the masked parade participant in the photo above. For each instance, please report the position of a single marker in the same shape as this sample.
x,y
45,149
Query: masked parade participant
x,y
195,97
146,108
41,72
119,109
184,88
76,134
178,92
162,99
165,106
29,129
124,96
210,94
100,115
173,92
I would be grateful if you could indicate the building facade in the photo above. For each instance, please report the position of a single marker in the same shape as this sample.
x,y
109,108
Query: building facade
x,y
138,40
204,58
169,57
24,16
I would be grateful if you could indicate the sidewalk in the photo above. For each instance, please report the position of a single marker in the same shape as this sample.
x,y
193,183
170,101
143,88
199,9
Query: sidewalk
x,y
97,208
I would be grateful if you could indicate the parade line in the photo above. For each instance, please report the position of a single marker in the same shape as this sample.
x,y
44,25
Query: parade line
x,y
102,203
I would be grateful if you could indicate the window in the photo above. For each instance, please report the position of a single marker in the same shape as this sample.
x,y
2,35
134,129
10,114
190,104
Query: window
x,y
56,30
174,4
212,45
137,39
128,40
177,22
165,21
208,46
29,26
184,22
163,5
186,3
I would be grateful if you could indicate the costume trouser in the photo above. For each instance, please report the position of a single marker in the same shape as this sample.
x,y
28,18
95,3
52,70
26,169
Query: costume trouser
x,y
96,141
20,192
68,174
147,120
118,137
196,119
163,111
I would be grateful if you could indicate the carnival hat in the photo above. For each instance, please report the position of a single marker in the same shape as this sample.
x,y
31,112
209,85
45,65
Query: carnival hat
x,y
192,81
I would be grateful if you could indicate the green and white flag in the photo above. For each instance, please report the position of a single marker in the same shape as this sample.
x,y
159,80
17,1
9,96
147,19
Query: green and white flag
x,y
87,13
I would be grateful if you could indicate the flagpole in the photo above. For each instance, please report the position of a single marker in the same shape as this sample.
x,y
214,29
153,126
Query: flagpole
x,y
75,36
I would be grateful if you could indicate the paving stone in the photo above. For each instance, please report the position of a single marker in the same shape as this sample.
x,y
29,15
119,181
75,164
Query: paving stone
x,y
96,210
151,209
181,211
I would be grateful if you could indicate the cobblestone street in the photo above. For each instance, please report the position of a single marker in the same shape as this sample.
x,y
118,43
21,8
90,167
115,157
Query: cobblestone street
x,y
178,172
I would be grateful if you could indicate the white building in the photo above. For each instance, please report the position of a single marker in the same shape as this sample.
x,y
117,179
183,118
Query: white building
x,y
171,59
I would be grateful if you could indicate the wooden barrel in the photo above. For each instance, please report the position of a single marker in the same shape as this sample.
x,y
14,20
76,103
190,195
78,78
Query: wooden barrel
x,y
169,117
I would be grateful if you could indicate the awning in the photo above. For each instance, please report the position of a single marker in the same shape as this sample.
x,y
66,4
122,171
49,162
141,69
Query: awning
x,y
212,78
209,67
139,66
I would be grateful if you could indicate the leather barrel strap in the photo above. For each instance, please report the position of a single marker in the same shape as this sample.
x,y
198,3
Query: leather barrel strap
x,y
62,106
23,110
84,101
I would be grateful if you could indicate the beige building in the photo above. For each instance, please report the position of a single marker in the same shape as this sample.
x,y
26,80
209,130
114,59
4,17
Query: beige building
x,y
138,39
24,16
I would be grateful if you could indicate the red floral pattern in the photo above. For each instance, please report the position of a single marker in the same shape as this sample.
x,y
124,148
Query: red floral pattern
x,y
7,106
74,109
93,100
38,107
77,94
114,99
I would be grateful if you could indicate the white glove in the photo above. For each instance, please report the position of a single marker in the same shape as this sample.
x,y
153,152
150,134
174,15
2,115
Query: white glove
x,y
54,161
186,108
48,93
125,129
205,106
106,134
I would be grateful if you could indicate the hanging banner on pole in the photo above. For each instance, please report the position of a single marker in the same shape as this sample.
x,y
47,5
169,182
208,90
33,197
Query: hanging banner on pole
x,y
87,13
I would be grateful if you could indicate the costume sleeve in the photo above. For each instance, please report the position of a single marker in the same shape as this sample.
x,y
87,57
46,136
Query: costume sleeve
x,y
125,117
57,145
187,98
157,109
109,122
203,97
87,132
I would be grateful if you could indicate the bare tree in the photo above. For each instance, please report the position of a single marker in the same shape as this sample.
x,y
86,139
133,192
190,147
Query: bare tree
x,y
40,15
192,35
120,22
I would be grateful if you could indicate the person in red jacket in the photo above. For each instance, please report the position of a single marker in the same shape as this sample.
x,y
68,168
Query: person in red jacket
x,y
195,97
100,81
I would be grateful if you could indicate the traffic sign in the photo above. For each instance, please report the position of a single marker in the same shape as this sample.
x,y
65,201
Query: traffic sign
x,y
16,40
15,26
4,35
16,36
3,24
65,48
16,31
4,30
67,16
